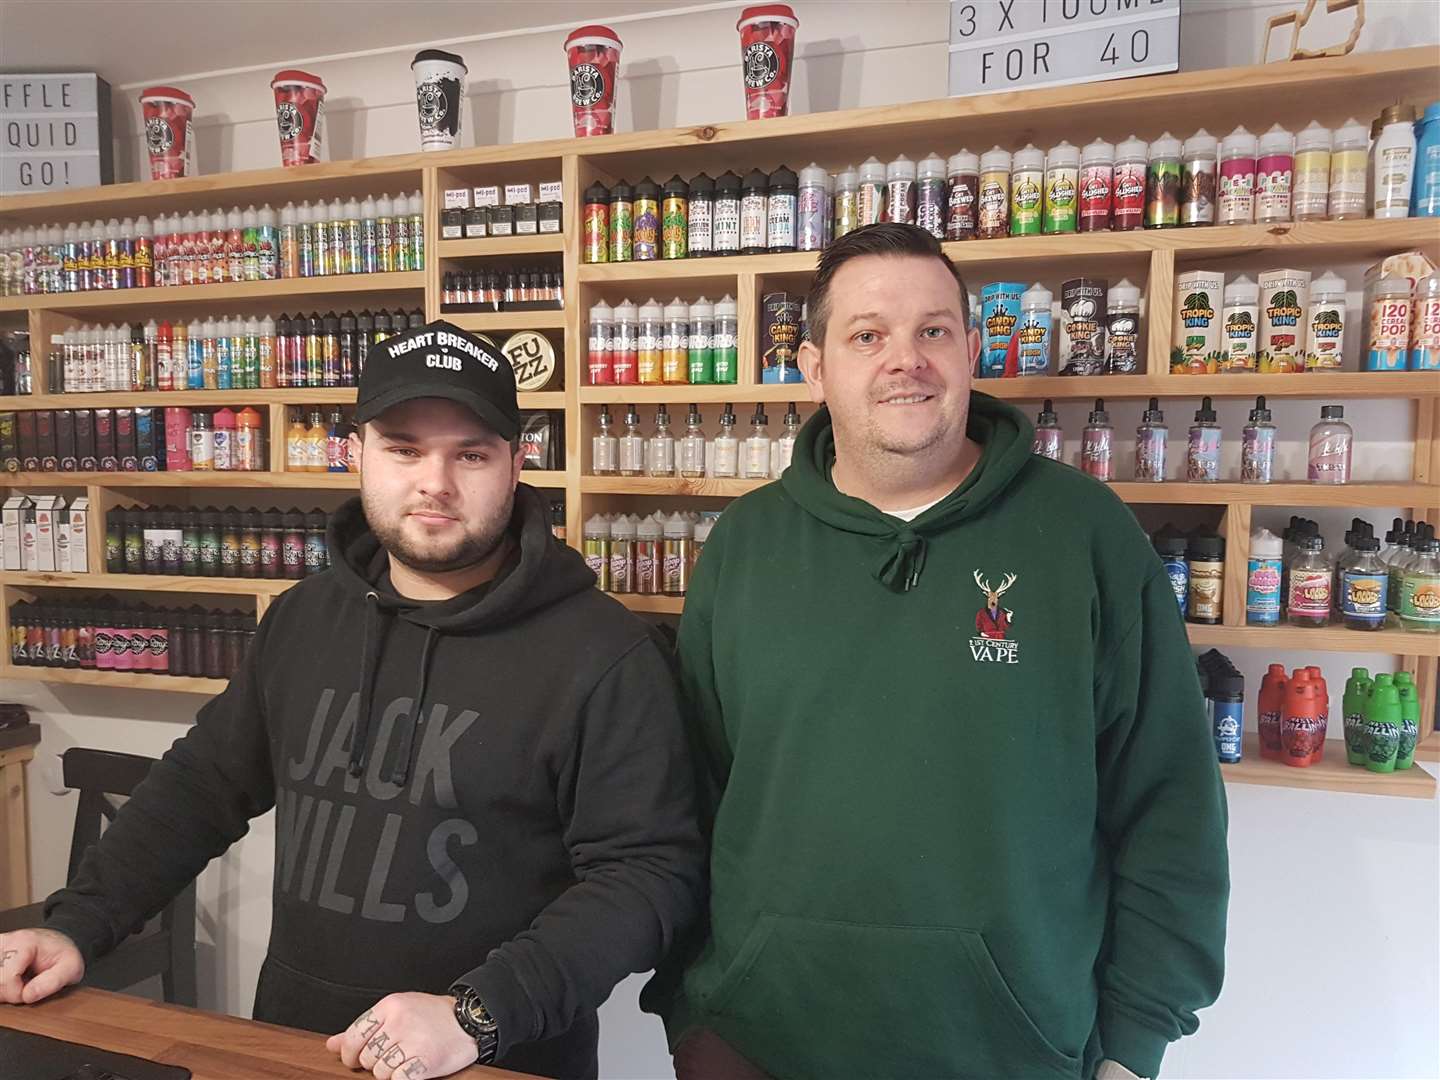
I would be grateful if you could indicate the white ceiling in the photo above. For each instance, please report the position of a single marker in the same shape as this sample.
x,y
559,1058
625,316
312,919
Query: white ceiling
x,y
138,41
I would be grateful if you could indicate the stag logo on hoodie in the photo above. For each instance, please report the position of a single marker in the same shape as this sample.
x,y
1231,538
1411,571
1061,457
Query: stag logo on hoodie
x,y
992,643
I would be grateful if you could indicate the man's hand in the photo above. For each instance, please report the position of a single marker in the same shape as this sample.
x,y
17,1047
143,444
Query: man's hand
x,y
408,1037
37,963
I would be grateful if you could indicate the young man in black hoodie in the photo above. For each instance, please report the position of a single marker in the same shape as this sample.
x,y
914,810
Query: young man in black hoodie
x,y
485,804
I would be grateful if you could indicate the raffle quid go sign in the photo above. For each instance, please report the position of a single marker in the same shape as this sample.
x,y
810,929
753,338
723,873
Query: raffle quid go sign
x,y
54,132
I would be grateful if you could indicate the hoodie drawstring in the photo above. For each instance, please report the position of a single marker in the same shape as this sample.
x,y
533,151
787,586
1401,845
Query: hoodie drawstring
x,y
372,642
400,771
902,567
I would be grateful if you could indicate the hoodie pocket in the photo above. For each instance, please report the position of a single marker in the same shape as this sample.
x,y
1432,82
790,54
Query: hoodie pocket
x,y
811,997
294,998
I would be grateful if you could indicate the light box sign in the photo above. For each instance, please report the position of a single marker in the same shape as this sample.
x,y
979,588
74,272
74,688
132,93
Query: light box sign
x,y
1023,44
54,132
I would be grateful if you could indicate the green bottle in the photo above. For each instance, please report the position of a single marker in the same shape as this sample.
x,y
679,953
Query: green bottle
x,y
1357,689
1382,725
1409,719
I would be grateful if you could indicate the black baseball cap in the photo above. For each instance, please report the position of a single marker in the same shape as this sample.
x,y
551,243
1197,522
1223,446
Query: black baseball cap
x,y
440,360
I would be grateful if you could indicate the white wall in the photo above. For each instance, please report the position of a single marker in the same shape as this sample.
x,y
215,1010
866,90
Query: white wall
x,y
1311,990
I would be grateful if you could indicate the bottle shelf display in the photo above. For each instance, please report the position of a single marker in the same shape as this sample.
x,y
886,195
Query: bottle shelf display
x,y
1329,91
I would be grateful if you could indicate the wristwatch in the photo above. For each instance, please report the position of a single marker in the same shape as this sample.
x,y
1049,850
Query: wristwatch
x,y
475,1020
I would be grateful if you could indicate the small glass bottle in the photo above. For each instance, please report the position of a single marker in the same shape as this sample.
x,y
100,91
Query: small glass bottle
x,y
632,446
692,445
756,456
604,447
1257,454
783,450
1419,604
727,446
1311,577
1151,440
1097,444
660,451
1202,457
1049,437
1330,443
1363,585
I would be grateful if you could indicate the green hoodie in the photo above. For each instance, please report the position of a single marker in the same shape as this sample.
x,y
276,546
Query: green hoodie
x,y
951,838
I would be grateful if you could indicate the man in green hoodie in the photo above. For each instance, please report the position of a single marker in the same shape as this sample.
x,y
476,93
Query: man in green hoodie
x,y
967,819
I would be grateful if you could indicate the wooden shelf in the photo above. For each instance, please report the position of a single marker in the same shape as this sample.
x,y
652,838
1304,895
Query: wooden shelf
x,y
507,320
1322,639
537,244
220,586
712,487
655,605
1332,774
1288,494
228,292
700,394
1330,385
1328,240
117,680
1428,748
543,478
185,399
198,480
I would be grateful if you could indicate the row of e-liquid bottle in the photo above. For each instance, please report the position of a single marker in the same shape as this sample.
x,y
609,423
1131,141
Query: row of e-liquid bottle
x,y
208,542
1381,718
234,353
757,455
1331,440
678,343
1366,586
652,556
113,637
1195,564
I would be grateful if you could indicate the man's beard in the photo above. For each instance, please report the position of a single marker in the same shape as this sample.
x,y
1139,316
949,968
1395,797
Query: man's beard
x,y
478,543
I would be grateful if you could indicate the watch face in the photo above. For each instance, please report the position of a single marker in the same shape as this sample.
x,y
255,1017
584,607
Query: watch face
x,y
479,1014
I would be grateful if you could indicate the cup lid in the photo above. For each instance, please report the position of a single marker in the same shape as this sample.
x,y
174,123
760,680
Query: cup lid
x,y
296,77
442,56
783,13
167,93
593,34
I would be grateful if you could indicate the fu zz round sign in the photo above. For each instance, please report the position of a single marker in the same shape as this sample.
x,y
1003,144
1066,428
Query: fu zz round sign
x,y
533,358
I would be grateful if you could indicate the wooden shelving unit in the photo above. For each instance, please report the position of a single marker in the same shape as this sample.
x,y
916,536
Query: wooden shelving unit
x,y
1332,774
1292,94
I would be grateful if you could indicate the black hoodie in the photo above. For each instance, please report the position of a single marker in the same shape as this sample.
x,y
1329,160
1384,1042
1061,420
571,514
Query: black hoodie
x,y
532,834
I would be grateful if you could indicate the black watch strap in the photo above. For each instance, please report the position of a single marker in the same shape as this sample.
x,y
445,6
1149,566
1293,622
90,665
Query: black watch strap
x,y
475,1020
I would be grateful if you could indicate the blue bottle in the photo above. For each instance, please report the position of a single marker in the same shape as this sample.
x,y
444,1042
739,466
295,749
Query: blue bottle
x,y
1170,545
1227,713
1425,191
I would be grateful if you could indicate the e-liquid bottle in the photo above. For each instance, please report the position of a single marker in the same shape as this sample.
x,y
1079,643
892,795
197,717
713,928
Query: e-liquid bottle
x,y
1097,444
1310,580
1062,186
1198,166
1049,438
597,550
900,191
676,558
701,221
1380,739
1409,719
1202,457
1226,694
1097,180
1171,545
930,195
1419,603
754,202
756,455
599,358
845,212
622,555
647,220
1312,173
1349,164
1162,183
870,192
660,450
700,347
1027,191
1257,453
1274,174
812,208
1035,331
727,446
604,447
595,225
727,215
780,200
1262,581
1364,583
649,344
675,219
1330,442
1240,321
1205,558
648,542
675,345
632,446
963,195
1131,157
783,449
692,445
622,222
1122,329
994,194
1151,440
624,343
723,344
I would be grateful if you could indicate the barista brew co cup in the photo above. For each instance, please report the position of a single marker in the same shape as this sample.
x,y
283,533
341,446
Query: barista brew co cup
x,y
767,46
300,116
439,91
169,133
594,56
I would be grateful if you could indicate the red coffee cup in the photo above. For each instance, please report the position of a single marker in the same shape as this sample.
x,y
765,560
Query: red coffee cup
x,y
594,55
169,134
767,46
300,116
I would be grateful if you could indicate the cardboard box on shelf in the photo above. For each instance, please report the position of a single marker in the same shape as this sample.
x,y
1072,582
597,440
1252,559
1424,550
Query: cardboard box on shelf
x,y
48,509
73,544
29,557
12,528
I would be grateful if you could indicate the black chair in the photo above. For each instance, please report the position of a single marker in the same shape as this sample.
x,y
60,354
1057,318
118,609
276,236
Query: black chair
x,y
166,945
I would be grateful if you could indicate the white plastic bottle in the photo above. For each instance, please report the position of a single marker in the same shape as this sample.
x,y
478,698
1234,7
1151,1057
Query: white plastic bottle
x,y
1394,161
